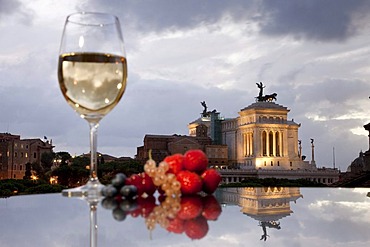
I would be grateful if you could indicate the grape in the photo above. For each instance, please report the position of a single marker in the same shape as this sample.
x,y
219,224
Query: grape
x,y
129,191
109,203
109,191
119,180
128,206
119,214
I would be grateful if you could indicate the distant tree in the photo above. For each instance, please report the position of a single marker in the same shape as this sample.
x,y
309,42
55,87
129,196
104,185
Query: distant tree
x,y
47,161
28,173
102,161
81,161
37,168
65,157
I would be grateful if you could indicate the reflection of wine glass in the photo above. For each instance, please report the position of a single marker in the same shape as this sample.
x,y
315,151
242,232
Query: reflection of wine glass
x,y
92,74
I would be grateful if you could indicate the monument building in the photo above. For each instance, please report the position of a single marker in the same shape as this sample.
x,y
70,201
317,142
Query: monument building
x,y
261,142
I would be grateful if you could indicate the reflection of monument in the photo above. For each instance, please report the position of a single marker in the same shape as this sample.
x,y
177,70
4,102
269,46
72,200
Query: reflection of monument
x,y
267,205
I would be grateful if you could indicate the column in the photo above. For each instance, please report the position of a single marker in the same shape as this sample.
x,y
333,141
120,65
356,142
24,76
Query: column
x,y
251,143
274,144
268,143
281,143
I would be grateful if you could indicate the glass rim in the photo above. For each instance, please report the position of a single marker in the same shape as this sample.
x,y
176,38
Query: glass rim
x,y
102,19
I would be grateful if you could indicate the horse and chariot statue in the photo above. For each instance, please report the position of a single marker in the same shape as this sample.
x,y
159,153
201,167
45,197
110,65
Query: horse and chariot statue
x,y
264,98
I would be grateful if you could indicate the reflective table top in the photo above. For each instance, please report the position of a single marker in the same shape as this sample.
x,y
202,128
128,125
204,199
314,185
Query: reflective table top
x,y
250,217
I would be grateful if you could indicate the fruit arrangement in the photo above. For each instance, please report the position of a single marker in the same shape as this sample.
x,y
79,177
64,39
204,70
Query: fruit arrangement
x,y
178,179
189,170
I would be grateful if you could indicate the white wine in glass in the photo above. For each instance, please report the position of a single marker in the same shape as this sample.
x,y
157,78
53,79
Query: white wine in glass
x,y
92,73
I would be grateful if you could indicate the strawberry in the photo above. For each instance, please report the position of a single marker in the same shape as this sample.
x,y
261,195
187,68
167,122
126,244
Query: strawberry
x,y
190,182
196,228
211,208
211,178
176,225
175,163
195,160
191,207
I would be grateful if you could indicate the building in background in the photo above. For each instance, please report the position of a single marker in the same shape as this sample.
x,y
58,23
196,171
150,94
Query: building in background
x,y
161,146
15,153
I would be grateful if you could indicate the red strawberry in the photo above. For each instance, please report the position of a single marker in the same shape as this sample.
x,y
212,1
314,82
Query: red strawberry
x,y
176,225
196,228
175,163
211,179
211,208
190,182
195,160
191,207
147,184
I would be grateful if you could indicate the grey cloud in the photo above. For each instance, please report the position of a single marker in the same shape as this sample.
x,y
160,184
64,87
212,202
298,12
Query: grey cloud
x,y
164,14
15,8
333,20
351,90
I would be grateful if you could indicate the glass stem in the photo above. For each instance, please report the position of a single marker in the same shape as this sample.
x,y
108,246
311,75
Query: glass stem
x,y
93,226
93,151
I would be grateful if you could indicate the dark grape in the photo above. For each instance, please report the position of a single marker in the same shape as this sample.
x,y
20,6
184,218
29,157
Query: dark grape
x,y
119,214
109,203
119,180
109,191
129,191
128,205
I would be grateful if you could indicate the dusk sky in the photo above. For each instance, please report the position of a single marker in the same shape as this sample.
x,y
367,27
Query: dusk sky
x,y
314,54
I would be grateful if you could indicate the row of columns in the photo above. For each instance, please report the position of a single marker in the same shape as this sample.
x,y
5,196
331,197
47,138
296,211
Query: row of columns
x,y
248,144
277,143
271,143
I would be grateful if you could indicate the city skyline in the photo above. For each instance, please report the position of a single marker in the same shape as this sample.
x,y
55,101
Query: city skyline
x,y
313,54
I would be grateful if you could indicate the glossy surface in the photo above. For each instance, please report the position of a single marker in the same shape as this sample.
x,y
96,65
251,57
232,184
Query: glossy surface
x,y
250,217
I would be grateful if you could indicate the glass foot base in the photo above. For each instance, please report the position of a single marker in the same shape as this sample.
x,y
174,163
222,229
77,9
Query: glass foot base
x,y
90,191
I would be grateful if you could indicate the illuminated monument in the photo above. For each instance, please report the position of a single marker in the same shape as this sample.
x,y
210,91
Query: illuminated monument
x,y
267,205
261,142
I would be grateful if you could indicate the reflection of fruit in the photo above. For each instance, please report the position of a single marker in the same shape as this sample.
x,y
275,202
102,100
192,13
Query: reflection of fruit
x,y
195,160
191,207
190,182
196,228
119,214
211,208
175,163
146,205
176,225
211,178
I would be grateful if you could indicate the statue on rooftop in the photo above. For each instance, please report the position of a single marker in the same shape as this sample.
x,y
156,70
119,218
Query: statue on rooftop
x,y
205,113
261,87
264,98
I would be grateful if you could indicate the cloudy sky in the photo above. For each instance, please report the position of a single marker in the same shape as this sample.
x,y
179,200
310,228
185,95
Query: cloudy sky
x,y
313,54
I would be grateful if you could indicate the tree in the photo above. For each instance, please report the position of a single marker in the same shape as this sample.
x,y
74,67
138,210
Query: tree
x,y
47,161
28,173
64,157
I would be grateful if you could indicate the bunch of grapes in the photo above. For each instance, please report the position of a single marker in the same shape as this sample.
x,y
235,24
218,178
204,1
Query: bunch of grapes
x,y
119,197
165,181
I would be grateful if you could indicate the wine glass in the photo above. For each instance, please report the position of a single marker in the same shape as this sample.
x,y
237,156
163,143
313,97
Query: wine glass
x,y
92,74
